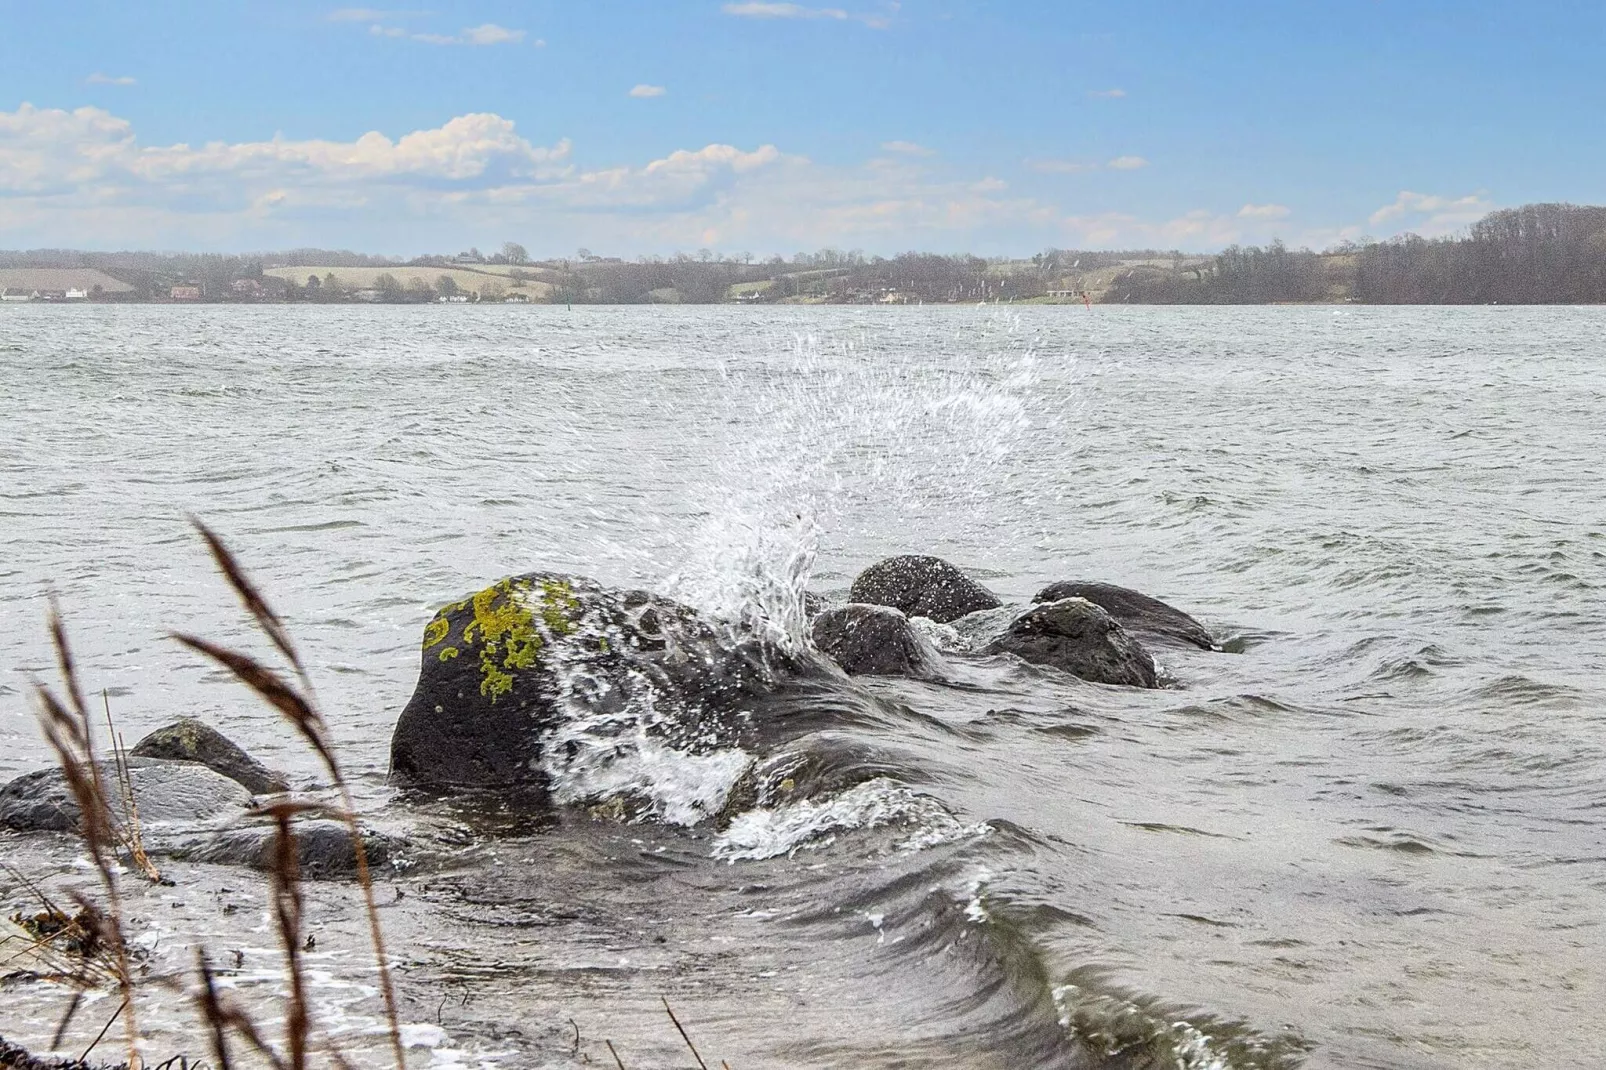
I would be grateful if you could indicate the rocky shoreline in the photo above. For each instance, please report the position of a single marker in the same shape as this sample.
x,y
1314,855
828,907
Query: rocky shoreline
x,y
503,668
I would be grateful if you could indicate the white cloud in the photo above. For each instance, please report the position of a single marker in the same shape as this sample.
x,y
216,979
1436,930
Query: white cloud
x,y
1431,215
758,9
83,177
46,150
907,148
488,33
645,91
755,10
1079,167
1264,211
1107,94
106,79
362,14
1062,167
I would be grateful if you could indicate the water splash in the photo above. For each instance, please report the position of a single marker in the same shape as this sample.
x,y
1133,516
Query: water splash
x,y
812,445
800,449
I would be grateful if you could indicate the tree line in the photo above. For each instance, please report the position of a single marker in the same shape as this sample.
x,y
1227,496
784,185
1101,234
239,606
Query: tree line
x,y
1536,254
1539,253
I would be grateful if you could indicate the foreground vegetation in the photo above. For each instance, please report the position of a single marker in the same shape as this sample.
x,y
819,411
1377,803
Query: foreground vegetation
x,y
1543,253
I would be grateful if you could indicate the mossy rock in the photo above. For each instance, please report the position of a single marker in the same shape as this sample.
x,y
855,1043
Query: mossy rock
x,y
505,667
486,686
190,740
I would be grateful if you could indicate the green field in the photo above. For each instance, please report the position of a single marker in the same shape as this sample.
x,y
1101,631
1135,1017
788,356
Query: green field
x,y
364,278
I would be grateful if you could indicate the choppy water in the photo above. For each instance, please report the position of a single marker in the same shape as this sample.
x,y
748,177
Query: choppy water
x,y
1371,835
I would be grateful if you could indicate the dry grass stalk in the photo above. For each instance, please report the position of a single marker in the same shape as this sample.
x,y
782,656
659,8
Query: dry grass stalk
x,y
223,1017
132,840
300,709
683,1035
67,729
288,911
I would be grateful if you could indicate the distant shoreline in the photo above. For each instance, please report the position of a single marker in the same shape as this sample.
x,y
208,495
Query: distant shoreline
x,y
1543,254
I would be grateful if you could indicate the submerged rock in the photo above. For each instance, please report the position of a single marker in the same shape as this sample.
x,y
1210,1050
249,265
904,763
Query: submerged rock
x,y
869,640
190,740
323,848
921,586
164,793
1135,611
1076,636
507,665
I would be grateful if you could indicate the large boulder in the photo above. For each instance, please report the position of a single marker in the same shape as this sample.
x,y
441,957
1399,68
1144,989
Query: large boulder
x,y
1079,637
164,793
920,586
190,740
867,640
505,667
1148,617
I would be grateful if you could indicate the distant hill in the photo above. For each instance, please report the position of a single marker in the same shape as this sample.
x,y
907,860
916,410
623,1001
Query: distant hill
x,y
87,279
1540,253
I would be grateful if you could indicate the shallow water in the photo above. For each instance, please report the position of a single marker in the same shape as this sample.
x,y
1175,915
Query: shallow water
x,y
1370,835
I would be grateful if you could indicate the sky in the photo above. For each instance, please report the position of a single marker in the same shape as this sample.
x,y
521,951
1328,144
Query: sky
x,y
776,127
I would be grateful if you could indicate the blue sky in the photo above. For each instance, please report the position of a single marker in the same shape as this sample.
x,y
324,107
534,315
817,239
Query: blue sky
x,y
767,127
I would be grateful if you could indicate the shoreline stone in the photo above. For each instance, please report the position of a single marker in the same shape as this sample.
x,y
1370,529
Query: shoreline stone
x,y
922,586
1076,636
191,740
871,640
1136,612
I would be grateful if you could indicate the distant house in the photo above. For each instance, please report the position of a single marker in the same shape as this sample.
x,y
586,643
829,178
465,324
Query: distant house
x,y
15,293
369,296
50,295
246,288
185,293
75,295
516,299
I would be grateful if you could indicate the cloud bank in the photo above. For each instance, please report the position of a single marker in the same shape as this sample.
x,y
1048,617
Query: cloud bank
x,y
82,177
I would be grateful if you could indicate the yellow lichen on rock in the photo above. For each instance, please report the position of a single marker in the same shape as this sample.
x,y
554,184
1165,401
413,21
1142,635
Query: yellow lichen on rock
x,y
506,628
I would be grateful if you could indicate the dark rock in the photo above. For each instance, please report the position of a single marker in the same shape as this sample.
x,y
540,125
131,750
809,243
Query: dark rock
x,y
922,587
867,640
1137,612
165,793
507,665
1079,637
190,740
323,848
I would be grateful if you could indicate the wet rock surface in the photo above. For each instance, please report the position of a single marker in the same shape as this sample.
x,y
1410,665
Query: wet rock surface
x,y
1138,613
324,849
191,740
870,640
1071,634
504,666
922,586
165,793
